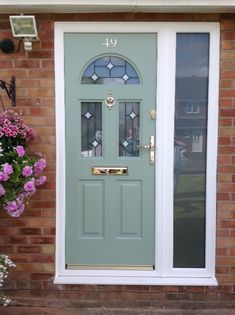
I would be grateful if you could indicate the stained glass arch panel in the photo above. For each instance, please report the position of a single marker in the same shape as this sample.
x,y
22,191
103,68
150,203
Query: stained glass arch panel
x,y
110,70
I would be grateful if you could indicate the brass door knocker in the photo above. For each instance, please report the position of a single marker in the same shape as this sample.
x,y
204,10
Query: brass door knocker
x,y
110,101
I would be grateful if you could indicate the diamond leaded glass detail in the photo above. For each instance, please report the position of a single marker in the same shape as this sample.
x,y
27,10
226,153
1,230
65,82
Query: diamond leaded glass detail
x,y
88,115
132,115
129,127
94,77
110,70
95,143
125,77
110,66
91,129
125,143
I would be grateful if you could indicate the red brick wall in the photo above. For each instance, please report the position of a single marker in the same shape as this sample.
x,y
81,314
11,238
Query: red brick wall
x,y
29,240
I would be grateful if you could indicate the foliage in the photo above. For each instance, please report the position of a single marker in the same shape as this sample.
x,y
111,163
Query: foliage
x,y
5,264
13,131
20,174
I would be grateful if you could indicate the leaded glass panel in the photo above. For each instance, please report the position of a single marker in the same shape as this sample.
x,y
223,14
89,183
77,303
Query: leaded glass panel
x,y
91,129
110,70
129,127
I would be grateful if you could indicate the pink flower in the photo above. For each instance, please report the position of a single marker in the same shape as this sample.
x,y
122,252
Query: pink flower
x,y
7,169
27,171
20,150
13,125
14,209
39,166
11,206
41,181
30,187
6,122
3,177
2,191
24,195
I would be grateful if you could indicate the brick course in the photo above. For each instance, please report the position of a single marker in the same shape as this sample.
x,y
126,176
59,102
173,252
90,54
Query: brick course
x,y
30,239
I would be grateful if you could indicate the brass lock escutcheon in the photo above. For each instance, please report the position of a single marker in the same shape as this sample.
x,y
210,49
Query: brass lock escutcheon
x,y
153,114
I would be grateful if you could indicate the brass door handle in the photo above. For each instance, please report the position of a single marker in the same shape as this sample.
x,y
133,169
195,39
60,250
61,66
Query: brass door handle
x,y
151,146
143,146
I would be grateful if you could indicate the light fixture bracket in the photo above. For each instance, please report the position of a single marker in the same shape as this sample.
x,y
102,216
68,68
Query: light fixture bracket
x,y
10,89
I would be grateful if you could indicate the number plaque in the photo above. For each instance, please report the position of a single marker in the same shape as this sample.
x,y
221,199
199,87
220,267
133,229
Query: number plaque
x,y
110,42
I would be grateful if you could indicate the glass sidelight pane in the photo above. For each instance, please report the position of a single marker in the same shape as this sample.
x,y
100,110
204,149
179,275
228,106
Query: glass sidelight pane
x,y
91,129
190,142
129,127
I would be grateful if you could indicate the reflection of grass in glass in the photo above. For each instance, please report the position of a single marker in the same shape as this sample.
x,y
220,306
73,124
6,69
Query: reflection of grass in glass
x,y
189,198
189,222
191,183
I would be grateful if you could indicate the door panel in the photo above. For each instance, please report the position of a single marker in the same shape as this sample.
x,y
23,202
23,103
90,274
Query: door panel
x,y
91,216
109,218
131,209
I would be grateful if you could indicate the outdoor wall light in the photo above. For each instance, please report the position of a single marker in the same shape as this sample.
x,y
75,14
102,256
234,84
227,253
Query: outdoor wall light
x,y
24,27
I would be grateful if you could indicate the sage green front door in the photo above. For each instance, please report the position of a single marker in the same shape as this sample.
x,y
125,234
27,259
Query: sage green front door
x,y
110,90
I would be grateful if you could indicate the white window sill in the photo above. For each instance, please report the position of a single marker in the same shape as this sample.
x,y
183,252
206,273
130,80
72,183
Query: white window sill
x,y
135,280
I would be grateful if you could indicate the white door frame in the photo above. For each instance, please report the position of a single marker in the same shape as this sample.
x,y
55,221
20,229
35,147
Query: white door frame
x,y
164,274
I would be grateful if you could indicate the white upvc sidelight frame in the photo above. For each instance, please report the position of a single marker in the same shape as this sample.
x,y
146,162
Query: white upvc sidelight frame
x,y
164,274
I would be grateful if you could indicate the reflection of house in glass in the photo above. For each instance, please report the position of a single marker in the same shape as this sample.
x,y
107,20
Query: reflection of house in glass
x,y
191,117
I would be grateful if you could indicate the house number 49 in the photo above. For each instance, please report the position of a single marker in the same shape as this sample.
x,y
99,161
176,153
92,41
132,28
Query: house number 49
x,y
110,42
